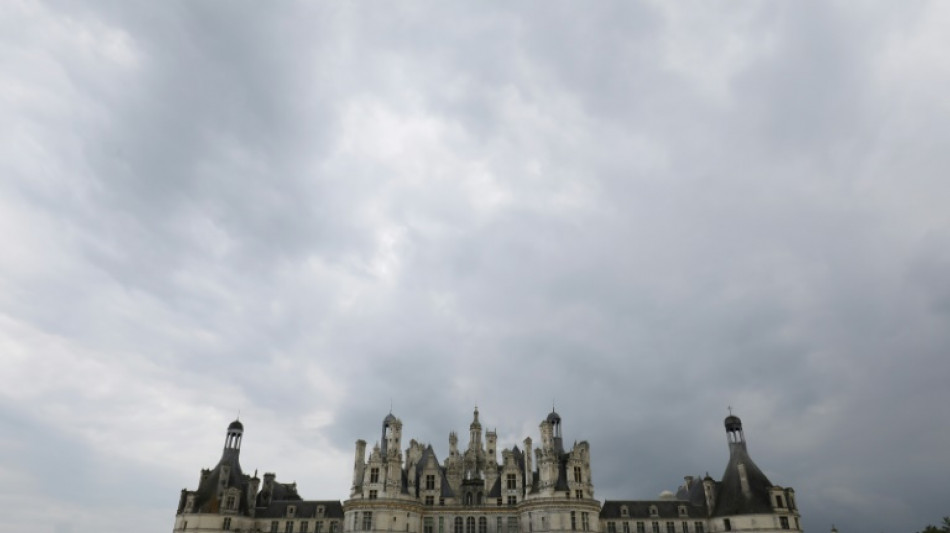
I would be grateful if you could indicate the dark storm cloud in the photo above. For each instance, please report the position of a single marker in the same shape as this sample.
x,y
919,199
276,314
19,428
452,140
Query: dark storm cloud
x,y
640,213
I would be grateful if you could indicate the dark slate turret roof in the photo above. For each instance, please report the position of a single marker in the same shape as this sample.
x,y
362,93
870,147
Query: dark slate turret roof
x,y
206,497
236,425
730,500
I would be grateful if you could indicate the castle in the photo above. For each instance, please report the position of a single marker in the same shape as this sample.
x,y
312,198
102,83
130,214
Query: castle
x,y
547,489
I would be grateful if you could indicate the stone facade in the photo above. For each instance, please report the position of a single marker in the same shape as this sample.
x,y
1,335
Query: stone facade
x,y
547,489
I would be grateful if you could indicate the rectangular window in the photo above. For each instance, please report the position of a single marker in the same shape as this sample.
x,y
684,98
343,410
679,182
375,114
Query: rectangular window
x,y
626,527
374,475
289,527
670,527
334,526
482,524
441,524
513,524
273,526
585,521
372,494
727,525
579,494
698,527
227,524
784,521
656,527
685,527
573,521
367,521
229,502
430,482
640,528
304,527
458,524
427,526
511,481
430,500
499,524
318,527
577,474
470,524
512,500
611,527
500,501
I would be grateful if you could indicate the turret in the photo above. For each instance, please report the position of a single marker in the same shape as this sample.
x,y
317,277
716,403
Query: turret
x,y
475,433
359,465
232,441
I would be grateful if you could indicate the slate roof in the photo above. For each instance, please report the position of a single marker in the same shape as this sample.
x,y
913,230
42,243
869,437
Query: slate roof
x,y
730,499
206,497
640,510
332,509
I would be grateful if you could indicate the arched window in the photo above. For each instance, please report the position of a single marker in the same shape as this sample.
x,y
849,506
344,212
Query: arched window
x,y
458,524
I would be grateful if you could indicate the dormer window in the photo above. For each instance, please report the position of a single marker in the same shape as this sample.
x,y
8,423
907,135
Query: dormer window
x,y
779,502
682,510
291,511
319,510
653,511
624,511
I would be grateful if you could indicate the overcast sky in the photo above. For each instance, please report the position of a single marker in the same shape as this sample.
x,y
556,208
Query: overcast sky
x,y
641,213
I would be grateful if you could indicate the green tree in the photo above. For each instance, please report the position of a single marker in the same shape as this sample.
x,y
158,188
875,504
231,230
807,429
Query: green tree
x,y
943,528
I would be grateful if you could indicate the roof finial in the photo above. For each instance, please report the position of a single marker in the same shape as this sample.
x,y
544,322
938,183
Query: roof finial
x,y
730,410
390,405
239,415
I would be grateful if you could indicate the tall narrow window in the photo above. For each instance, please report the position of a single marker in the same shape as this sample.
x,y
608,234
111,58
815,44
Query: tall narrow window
x,y
499,525
430,482
367,520
458,524
373,494
698,527
427,526
577,474
685,527
670,527
579,494
511,481
273,526
611,527
573,521
779,502
304,527
374,475
227,524
289,527
470,524
626,527
784,521
441,524
513,524
727,525
585,521
482,524
656,527
640,528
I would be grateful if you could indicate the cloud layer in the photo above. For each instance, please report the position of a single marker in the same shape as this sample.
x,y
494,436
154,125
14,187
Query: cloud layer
x,y
640,212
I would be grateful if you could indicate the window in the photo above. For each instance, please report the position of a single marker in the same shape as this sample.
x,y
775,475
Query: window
x,y
229,502
727,525
470,524
291,511
640,528
430,500
653,511
611,527
427,526
499,502
334,526
626,527
482,524
441,500
367,520
511,481
227,524
512,500
458,524
685,527
779,502
441,524
577,474
304,527
372,494
318,527
585,521
273,527
670,527
656,527
430,482
698,527
289,527
573,521
624,511
319,510
374,475
513,524
579,494
784,521
682,510
796,523
499,524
